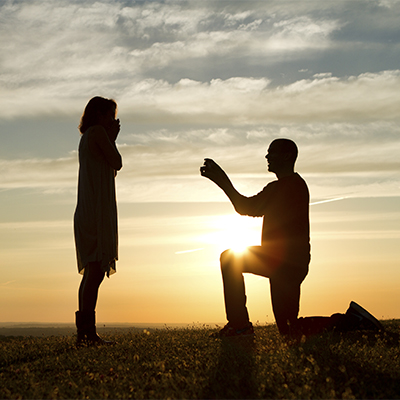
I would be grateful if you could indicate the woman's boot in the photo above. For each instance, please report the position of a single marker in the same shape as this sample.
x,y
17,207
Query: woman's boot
x,y
86,329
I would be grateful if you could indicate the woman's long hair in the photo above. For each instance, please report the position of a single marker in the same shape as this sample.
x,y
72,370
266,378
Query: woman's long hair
x,y
97,105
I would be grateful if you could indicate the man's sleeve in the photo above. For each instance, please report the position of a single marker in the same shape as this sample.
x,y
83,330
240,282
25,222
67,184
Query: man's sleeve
x,y
254,206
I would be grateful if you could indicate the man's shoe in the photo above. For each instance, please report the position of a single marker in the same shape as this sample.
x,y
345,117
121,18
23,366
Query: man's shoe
x,y
229,331
366,319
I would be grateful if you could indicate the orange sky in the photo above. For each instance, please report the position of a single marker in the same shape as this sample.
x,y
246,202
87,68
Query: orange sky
x,y
192,80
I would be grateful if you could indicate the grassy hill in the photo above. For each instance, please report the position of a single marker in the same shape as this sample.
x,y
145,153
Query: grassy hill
x,y
187,363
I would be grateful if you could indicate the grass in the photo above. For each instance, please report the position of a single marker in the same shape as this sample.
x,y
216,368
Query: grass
x,y
187,363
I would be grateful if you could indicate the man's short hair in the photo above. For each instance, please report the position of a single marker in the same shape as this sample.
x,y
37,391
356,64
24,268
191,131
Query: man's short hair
x,y
286,146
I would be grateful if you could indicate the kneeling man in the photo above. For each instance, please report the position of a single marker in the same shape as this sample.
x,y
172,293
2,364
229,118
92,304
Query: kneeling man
x,y
284,254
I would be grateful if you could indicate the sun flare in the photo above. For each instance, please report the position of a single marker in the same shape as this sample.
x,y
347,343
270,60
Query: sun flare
x,y
234,232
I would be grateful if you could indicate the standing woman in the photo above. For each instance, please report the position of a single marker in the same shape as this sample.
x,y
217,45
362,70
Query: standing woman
x,y
95,218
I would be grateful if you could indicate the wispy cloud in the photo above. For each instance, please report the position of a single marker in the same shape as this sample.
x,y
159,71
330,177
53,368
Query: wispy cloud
x,y
164,164
7,283
251,101
56,54
327,201
209,79
43,173
188,251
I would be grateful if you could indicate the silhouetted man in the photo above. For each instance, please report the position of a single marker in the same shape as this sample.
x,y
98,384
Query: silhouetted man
x,y
284,254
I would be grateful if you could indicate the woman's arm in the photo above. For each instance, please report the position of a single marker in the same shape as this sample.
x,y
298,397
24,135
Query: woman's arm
x,y
100,144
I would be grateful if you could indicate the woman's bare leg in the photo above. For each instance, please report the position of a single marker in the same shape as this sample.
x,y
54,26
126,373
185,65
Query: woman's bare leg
x,y
89,287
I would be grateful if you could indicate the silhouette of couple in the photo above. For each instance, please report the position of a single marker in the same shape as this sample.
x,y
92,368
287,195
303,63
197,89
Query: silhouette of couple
x,y
283,256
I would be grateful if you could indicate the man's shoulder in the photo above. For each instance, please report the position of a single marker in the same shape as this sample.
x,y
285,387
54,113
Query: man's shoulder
x,y
294,185
270,186
294,179
277,185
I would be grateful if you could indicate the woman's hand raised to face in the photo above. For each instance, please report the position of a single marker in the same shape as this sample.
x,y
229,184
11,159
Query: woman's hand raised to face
x,y
114,129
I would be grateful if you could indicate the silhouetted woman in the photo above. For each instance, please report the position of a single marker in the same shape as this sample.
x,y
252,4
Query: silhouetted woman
x,y
95,218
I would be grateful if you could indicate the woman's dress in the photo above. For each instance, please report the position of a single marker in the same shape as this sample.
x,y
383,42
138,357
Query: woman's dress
x,y
95,218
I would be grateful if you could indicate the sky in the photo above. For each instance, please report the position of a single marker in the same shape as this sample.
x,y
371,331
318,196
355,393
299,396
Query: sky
x,y
195,79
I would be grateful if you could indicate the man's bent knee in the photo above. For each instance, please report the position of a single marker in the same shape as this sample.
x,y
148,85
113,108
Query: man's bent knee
x,y
224,255
226,258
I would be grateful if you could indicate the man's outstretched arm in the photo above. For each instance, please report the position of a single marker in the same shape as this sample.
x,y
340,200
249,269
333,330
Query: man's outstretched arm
x,y
216,174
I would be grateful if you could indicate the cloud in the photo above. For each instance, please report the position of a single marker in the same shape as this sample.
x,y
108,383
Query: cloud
x,y
250,101
301,33
48,174
163,164
55,54
207,79
237,100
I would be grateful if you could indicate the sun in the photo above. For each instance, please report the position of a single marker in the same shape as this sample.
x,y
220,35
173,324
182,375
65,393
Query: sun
x,y
234,232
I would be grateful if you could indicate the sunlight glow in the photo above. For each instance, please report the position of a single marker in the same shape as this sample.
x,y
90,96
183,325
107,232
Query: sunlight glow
x,y
234,232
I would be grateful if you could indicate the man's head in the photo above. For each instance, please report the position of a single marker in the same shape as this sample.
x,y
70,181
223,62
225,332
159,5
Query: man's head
x,y
281,156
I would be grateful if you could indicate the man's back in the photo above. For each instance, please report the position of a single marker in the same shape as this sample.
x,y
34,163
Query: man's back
x,y
284,204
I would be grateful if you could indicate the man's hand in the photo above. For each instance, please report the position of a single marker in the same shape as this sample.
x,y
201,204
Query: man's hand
x,y
215,173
